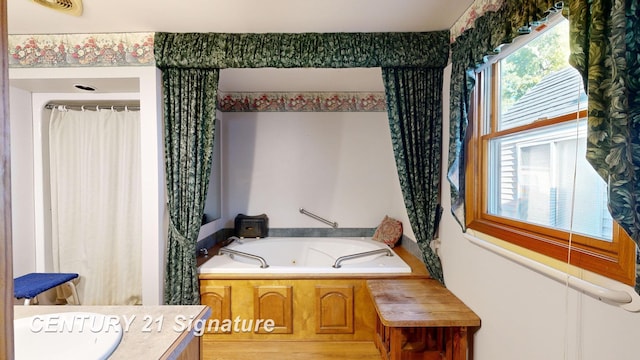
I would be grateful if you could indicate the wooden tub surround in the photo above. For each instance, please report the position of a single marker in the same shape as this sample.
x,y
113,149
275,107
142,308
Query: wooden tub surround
x,y
420,319
327,314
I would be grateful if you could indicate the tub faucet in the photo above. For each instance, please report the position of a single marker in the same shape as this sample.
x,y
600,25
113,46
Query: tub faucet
x,y
230,240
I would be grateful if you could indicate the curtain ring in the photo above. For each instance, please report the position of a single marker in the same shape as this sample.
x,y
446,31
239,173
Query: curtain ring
x,y
82,108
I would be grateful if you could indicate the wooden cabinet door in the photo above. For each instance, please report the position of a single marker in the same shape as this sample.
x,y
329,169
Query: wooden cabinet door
x,y
334,309
218,298
274,302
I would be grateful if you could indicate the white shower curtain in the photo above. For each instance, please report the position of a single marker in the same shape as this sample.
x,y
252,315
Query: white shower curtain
x,y
95,202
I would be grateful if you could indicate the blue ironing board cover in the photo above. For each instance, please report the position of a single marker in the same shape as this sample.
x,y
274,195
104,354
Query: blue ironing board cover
x,y
30,285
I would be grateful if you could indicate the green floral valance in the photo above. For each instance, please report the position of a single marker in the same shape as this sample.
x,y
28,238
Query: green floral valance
x,y
303,50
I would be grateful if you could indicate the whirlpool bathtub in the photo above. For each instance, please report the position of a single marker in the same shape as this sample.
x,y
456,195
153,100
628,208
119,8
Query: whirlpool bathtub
x,y
305,255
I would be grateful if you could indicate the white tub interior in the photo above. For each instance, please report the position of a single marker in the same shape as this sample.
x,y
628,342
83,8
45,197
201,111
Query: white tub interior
x,y
305,255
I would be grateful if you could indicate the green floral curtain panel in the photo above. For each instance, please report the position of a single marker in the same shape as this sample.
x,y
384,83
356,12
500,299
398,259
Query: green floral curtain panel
x,y
414,107
605,55
189,112
632,82
604,49
190,64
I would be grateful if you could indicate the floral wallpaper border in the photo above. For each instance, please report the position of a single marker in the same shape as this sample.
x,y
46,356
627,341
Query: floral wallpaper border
x,y
474,11
302,101
72,50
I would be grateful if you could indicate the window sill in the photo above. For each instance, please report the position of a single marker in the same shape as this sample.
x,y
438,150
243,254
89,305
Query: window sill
x,y
598,287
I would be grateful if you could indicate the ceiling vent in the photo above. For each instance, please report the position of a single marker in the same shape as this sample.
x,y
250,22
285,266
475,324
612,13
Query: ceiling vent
x,y
71,7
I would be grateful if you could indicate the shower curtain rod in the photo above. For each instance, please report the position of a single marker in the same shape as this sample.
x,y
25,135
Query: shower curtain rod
x,y
90,107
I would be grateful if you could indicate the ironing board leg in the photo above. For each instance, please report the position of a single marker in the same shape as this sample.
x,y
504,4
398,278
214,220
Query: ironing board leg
x,y
74,292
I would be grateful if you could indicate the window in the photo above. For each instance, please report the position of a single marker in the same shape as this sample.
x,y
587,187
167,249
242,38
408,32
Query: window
x,y
529,182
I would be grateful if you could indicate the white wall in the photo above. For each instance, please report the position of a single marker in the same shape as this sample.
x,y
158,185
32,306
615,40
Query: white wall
x,y
338,165
22,182
525,315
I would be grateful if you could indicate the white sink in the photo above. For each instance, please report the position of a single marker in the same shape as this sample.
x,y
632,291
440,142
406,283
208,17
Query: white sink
x,y
67,335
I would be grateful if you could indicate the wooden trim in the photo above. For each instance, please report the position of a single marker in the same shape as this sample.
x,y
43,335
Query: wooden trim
x,y
494,91
601,247
537,124
618,266
6,254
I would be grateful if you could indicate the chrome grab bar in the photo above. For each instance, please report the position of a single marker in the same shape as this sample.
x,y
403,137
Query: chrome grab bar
x,y
263,262
339,260
333,224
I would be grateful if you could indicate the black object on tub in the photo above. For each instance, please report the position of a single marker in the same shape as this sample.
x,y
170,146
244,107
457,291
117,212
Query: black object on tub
x,y
256,226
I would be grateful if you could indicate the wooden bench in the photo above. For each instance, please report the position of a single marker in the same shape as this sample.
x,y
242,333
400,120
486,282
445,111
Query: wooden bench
x,y
420,319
